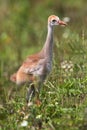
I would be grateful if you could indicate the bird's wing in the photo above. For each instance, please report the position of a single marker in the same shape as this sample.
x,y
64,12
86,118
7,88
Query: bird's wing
x,y
33,65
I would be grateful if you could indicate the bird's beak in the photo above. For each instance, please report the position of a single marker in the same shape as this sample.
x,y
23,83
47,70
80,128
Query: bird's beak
x,y
62,22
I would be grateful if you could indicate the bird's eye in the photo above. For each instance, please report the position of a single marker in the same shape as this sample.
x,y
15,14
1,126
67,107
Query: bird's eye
x,y
53,20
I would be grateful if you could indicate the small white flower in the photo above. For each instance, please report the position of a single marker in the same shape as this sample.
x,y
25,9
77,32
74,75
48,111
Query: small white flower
x,y
63,66
24,123
38,116
26,117
30,104
71,70
66,19
67,66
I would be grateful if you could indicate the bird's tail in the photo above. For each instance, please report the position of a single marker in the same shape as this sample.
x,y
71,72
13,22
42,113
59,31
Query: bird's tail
x,y
13,78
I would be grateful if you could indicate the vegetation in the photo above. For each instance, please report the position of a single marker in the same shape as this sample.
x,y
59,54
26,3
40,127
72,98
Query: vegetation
x,y
64,94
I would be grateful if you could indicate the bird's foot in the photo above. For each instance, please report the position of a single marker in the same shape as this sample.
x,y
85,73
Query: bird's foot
x,y
38,102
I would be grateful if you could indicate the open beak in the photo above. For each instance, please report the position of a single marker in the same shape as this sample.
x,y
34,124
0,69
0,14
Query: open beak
x,y
62,23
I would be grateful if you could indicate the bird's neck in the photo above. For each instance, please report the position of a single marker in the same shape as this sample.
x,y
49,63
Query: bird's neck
x,y
48,46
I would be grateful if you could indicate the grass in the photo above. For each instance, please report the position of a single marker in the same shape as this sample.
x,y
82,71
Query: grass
x,y
64,93
63,96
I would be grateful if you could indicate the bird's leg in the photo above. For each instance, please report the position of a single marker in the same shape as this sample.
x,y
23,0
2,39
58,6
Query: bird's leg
x,y
37,92
38,87
30,93
37,100
34,90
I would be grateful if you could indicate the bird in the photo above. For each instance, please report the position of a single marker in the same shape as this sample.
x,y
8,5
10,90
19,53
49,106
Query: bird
x,y
35,69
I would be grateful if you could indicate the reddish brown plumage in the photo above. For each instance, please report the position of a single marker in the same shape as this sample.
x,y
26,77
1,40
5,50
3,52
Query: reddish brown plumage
x,y
21,77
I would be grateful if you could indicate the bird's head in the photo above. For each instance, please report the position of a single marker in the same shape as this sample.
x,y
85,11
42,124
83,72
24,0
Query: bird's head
x,y
54,20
